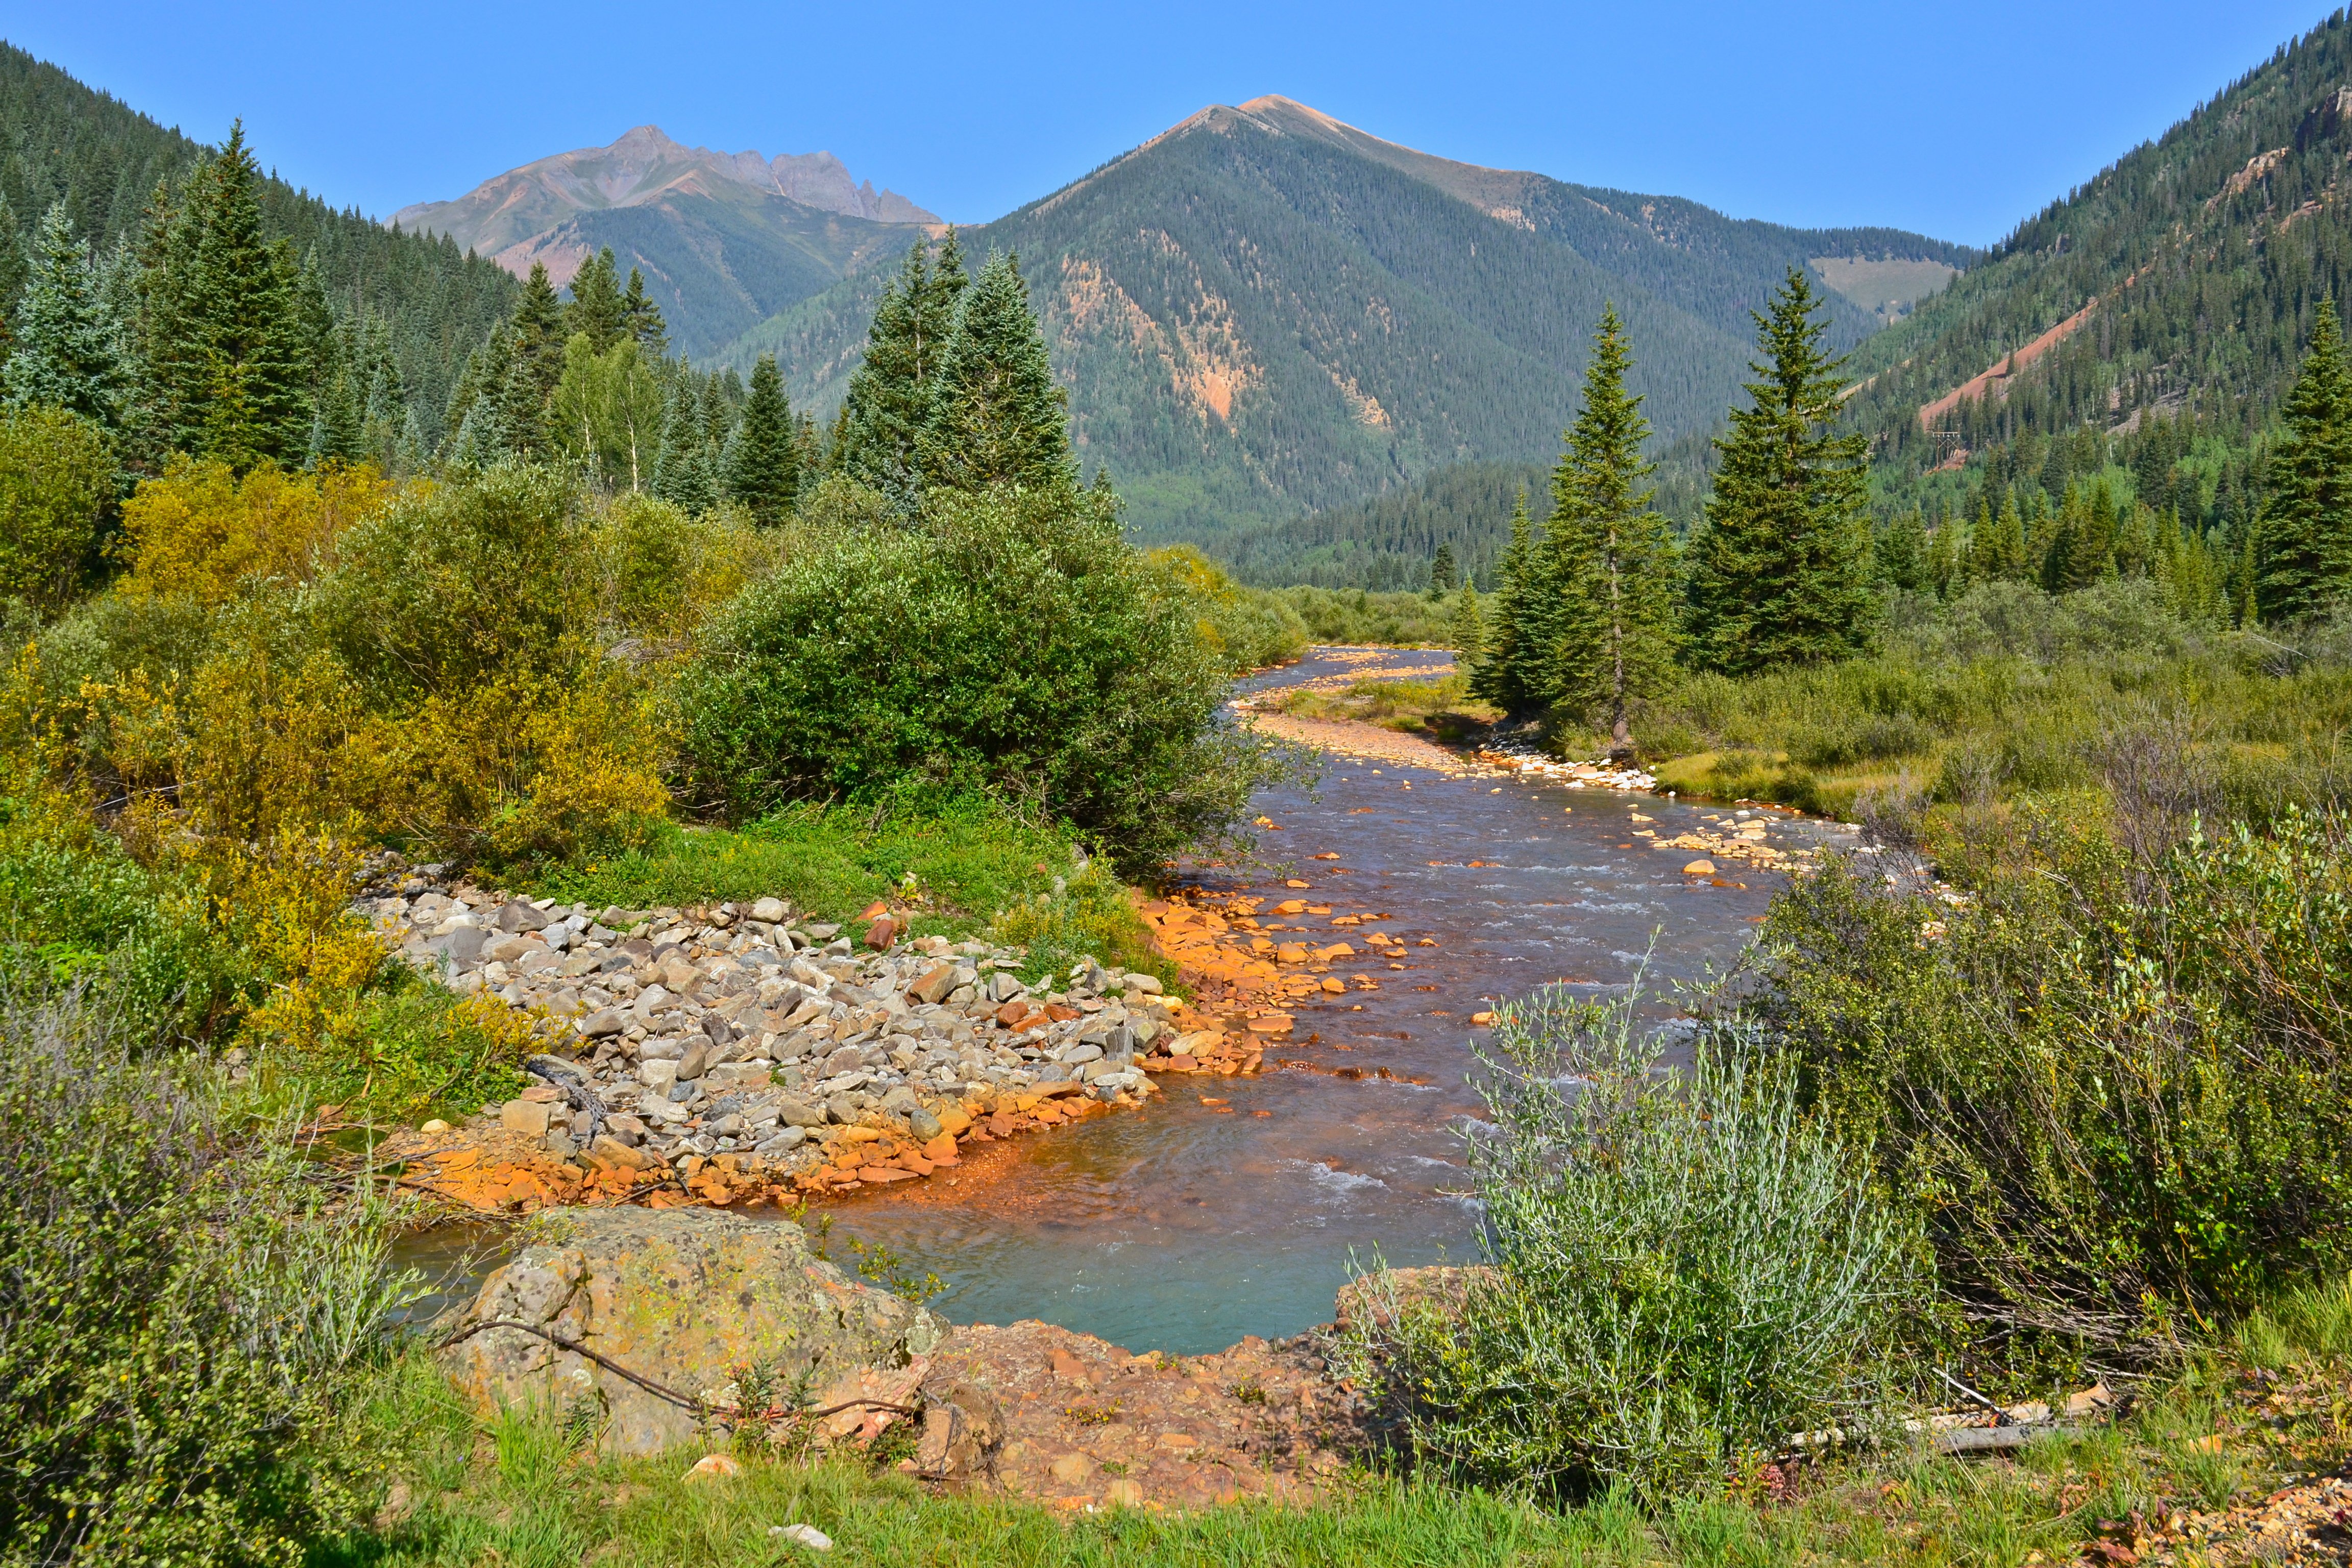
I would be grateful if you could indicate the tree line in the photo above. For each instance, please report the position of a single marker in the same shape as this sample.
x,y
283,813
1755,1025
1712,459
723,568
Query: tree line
x,y
1604,607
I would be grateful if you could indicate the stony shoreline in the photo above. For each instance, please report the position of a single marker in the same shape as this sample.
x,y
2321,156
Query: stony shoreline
x,y
743,1052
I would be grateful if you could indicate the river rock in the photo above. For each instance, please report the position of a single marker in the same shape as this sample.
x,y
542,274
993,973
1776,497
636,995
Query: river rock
x,y
680,1297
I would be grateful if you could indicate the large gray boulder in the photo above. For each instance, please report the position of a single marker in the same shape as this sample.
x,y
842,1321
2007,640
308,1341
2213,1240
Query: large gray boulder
x,y
684,1298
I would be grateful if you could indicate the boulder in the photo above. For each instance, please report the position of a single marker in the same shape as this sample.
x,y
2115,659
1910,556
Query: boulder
x,y
681,1298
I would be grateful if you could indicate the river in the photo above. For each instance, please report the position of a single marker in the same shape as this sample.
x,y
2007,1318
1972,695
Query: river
x,y
1234,1205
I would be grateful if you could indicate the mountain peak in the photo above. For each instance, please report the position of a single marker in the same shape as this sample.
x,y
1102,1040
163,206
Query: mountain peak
x,y
505,215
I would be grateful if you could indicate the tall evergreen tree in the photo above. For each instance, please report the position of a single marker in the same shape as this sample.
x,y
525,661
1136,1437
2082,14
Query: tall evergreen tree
x,y
762,470
1900,555
1515,669
1443,573
65,352
1613,556
1781,565
597,308
1944,574
2302,541
998,418
645,318
891,392
682,472
243,308
1468,627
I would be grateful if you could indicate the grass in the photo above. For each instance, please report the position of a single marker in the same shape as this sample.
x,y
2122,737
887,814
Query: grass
x,y
1443,707
966,868
520,1490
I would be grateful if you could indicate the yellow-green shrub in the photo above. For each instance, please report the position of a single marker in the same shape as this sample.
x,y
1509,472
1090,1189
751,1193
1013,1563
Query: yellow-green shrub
x,y
202,533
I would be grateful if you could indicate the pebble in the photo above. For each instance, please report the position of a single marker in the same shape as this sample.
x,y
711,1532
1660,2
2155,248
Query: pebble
x,y
807,1535
743,1041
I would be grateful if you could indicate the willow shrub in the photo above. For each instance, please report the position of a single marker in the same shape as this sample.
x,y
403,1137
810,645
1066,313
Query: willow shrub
x,y
182,1306
2116,1081
1685,1268
1009,643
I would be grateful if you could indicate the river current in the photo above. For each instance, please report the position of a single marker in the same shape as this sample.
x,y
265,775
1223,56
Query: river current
x,y
1234,1205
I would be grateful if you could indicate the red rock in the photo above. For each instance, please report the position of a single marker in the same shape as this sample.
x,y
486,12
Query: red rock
x,y
935,984
882,933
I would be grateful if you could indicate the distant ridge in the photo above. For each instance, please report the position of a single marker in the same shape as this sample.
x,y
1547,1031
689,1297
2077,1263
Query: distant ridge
x,y
724,238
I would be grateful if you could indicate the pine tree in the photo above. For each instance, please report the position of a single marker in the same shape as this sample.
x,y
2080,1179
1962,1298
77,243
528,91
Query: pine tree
x,y
1469,627
762,470
2302,548
998,418
1442,573
645,318
597,308
682,472
1613,557
66,353
1781,573
1901,553
1944,573
891,394
242,308
1516,671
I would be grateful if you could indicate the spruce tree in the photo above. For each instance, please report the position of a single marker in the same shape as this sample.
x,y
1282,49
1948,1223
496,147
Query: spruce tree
x,y
1900,554
762,470
1613,556
1944,571
682,472
1515,670
1468,629
997,416
597,308
1442,573
66,350
2302,548
645,318
243,395
891,394
1781,564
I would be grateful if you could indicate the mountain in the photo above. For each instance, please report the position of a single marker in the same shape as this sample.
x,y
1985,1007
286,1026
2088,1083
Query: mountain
x,y
2150,319
724,239
61,140
1263,312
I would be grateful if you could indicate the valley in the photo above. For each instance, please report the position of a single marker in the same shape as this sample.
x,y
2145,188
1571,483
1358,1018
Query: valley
x,y
1306,853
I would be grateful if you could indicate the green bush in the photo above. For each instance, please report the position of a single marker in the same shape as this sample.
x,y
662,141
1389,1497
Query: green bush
x,y
56,471
459,585
1010,644
1686,1270
1358,616
2116,1082
180,1308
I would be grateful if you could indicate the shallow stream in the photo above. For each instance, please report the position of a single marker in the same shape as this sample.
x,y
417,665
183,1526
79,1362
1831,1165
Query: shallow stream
x,y
1231,1205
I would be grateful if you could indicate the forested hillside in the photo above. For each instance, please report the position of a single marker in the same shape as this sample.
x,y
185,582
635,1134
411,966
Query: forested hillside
x,y
1262,313
2144,327
62,141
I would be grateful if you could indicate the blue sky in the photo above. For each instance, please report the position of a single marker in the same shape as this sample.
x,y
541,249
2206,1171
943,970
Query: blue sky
x,y
1956,120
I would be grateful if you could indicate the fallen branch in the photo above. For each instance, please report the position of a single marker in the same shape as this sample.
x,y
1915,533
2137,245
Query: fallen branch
x,y
685,1402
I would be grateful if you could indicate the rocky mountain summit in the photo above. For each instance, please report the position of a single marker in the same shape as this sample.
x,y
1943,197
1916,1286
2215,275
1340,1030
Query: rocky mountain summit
x,y
641,168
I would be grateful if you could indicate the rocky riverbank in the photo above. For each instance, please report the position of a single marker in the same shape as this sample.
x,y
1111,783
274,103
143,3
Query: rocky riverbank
x,y
659,1330
742,1051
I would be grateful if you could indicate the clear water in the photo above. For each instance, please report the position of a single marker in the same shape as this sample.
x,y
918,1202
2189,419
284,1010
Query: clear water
x,y
1190,1224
